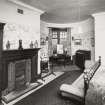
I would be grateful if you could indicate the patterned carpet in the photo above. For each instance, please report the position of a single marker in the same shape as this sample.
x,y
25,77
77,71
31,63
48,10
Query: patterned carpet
x,y
48,95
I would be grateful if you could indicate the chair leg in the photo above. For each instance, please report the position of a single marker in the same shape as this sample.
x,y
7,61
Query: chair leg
x,y
51,69
42,79
1,98
52,72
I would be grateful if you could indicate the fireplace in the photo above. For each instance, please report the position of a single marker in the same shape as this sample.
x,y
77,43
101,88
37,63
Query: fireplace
x,y
20,68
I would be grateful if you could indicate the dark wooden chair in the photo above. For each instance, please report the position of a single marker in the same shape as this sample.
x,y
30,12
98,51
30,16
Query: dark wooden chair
x,y
44,65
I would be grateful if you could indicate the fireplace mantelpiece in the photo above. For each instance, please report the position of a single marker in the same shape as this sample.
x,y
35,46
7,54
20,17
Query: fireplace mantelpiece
x,y
16,55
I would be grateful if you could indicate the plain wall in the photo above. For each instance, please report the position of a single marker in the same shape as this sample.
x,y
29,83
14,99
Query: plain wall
x,y
100,36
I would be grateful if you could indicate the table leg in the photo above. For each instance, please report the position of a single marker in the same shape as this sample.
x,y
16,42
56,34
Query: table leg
x,y
1,98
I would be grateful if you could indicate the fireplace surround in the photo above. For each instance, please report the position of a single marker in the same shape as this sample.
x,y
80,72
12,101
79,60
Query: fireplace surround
x,y
19,68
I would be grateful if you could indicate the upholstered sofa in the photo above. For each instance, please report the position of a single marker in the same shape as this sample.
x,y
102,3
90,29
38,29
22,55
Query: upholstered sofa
x,y
76,90
96,91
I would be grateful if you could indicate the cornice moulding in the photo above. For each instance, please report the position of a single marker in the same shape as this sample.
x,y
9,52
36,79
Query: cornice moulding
x,y
26,6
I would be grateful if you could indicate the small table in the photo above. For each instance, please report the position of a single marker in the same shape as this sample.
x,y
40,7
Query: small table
x,y
59,59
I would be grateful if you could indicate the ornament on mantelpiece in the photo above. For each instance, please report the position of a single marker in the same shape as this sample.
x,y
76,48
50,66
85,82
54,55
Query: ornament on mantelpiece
x,y
36,44
8,45
20,45
31,44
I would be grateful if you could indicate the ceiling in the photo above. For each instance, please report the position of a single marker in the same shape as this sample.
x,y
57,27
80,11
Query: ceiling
x,y
67,11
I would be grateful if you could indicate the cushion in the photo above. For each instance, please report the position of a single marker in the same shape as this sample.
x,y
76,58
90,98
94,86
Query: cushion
x,y
88,63
71,89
